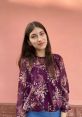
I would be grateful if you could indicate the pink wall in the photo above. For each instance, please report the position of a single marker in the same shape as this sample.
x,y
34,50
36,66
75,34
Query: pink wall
x,y
65,31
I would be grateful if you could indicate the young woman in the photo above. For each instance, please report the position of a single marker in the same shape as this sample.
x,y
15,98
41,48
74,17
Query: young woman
x,y
43,88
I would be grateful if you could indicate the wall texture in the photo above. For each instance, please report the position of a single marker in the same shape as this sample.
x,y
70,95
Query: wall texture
x,y
65,31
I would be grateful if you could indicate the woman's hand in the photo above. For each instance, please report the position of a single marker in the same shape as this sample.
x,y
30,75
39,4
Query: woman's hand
x,y
23,113
63,114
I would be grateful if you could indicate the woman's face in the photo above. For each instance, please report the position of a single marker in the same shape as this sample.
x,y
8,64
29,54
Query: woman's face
x,y
38,39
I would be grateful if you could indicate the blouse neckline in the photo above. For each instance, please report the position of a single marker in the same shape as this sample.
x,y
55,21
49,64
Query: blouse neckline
x,y
40,57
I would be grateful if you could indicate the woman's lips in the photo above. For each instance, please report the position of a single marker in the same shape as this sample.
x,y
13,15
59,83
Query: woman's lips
x,y
40,43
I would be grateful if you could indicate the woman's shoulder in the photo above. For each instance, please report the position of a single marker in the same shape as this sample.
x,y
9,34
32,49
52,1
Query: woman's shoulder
x,y
57,56
58,59
24,61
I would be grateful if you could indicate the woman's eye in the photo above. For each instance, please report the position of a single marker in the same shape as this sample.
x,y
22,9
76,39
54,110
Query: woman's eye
x,y
42,34
33,36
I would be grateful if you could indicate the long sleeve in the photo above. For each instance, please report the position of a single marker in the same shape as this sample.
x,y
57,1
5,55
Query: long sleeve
x,y
64,84
22,83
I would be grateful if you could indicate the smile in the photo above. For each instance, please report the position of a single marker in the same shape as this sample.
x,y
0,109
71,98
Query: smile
x,y
40,43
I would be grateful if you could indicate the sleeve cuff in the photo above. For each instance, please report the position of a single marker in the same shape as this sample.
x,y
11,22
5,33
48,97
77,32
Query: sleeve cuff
x,y
65,107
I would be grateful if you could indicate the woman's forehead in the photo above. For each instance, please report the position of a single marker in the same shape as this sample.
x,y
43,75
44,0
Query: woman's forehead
x,y
37,30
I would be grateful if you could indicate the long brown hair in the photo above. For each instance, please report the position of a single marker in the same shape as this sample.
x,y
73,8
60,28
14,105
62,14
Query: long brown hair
x,y
30,52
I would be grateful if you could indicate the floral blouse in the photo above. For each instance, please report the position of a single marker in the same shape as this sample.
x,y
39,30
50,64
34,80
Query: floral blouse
x,y
38,91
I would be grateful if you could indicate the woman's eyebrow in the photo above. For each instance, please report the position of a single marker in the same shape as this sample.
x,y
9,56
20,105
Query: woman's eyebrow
x,y
33,34
41,31
36,34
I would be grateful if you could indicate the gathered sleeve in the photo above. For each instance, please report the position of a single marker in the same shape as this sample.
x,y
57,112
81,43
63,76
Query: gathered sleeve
x,y
24,87
64,84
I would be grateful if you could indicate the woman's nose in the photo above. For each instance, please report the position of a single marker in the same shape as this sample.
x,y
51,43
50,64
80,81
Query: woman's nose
x,y
39,38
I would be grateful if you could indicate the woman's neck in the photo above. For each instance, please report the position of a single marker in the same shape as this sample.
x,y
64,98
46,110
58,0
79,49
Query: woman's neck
x,y
40,53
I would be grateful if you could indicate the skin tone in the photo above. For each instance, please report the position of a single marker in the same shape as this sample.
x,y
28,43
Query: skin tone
x,y
63,114
38,40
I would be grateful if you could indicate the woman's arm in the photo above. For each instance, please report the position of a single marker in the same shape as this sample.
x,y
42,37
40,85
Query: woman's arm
x,y
22,82
64,89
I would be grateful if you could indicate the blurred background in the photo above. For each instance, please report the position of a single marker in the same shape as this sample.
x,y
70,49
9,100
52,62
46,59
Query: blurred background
x,y
63,21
